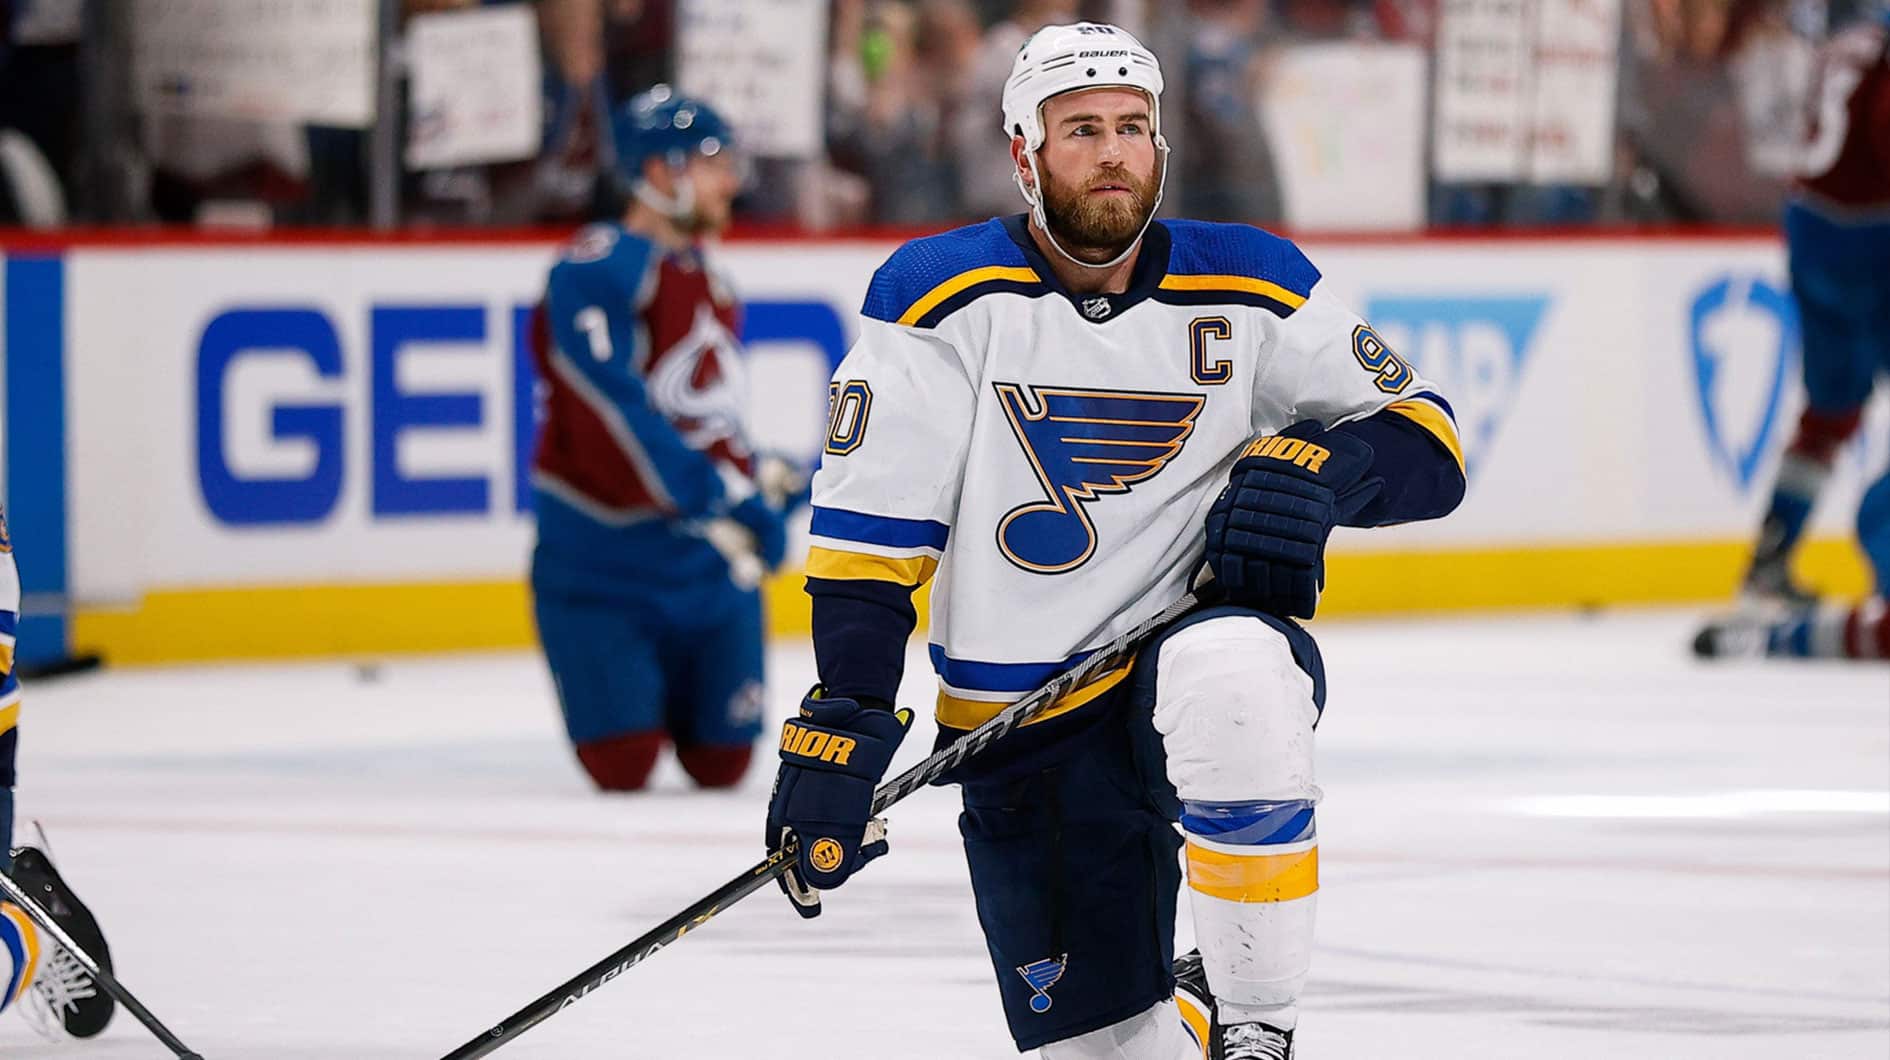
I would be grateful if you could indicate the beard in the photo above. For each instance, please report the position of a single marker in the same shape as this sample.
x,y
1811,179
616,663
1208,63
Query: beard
x,y
1099,227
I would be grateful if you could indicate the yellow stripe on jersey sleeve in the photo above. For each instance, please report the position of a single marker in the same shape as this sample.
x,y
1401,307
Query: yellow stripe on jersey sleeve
x,y
1432,419
6,656
912,571
1247,284
9,716
969,278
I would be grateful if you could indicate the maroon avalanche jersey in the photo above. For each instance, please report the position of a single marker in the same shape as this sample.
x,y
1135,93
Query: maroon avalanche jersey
x,y
637,347
1848,159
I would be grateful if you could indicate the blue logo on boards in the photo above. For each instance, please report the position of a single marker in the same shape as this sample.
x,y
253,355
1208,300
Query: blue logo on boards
x,y
307,457
1083,444
1042,975
1473,348
1743,333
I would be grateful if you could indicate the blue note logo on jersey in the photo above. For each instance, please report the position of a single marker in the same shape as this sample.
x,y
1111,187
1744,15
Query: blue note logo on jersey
x,y
1083,444
1744,334
1042,975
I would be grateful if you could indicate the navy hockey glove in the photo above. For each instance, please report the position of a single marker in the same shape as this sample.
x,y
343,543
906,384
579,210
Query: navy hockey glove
x,y
764,522
832,755
1266,534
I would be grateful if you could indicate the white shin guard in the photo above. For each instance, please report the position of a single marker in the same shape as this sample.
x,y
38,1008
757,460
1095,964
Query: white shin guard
x,y
1236,716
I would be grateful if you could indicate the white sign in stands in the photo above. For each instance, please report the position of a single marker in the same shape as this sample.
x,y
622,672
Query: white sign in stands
x,y
476,95
762,64
284,61
1346,122
1525,90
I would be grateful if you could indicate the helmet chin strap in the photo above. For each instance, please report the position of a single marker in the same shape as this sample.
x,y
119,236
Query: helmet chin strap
x,y
1035,199
678,207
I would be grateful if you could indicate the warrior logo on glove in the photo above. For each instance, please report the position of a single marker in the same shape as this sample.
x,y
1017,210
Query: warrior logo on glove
x,y
826,855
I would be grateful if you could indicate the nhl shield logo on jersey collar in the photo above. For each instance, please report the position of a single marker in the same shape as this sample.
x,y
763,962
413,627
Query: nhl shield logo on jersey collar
x,y
1098,308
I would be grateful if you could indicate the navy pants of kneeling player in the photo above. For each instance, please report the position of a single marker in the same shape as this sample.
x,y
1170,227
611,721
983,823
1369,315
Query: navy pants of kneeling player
x,y
633,668
1070,834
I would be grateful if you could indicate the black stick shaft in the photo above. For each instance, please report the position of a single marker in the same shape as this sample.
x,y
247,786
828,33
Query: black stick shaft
x,y
1115,655
18,896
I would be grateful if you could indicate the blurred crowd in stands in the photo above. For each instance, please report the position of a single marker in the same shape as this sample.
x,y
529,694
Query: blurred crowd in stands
x,y
1709,93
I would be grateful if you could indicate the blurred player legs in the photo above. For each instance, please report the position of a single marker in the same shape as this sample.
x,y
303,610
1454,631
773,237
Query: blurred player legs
x,y
633,671
1838,275
1837,281
1837,229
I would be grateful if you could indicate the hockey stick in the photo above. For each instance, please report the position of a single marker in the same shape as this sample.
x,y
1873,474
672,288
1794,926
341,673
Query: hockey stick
x,y
1114,655
18,896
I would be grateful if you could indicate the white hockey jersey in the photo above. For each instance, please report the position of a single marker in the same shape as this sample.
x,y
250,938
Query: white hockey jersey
x,y
9,625
1050,458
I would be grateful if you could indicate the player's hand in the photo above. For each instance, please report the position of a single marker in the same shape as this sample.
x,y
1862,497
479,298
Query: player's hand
x,y
765,523
1266,534
787,485
832,755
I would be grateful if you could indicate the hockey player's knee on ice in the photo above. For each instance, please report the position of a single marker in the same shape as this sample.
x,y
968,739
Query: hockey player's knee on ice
x,y
1155,1033
621,763
715,767
1236,712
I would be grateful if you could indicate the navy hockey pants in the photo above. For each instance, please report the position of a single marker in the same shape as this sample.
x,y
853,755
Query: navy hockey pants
x,y
1069,829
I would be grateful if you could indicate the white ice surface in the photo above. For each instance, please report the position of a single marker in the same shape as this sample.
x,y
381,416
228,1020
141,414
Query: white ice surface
x,y
1542,838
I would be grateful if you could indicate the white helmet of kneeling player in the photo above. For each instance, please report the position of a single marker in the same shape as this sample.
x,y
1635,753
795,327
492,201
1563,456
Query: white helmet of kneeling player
x,y
1060,59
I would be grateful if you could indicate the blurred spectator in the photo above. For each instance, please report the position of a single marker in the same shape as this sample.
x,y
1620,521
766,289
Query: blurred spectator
x,y
1330,19
1225,169
1770,63
1711,99
909,95
637,51
980,145
1681,118
40,115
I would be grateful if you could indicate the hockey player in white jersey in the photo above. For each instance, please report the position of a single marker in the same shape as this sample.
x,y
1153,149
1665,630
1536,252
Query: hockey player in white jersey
x,y
1058,419
52,990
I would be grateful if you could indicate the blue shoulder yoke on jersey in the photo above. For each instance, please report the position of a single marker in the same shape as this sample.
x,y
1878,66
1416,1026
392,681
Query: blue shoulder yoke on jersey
x,y
1221,264
928,279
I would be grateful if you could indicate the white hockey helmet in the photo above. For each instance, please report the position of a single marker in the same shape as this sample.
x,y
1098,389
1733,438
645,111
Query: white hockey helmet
x,y
1059,59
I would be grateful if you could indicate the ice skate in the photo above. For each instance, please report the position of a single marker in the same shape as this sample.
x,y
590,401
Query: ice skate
x,y
1236,1041
64,1000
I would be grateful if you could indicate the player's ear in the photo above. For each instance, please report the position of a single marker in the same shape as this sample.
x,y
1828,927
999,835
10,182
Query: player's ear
x,y
658,175
1019,159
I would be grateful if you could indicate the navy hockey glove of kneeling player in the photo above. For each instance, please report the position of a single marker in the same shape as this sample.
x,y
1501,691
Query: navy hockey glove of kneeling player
x,y
832,756
1266,533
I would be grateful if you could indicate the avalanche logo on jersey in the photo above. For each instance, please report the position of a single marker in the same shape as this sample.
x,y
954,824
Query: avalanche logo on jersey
x,y
699,382
1083,444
